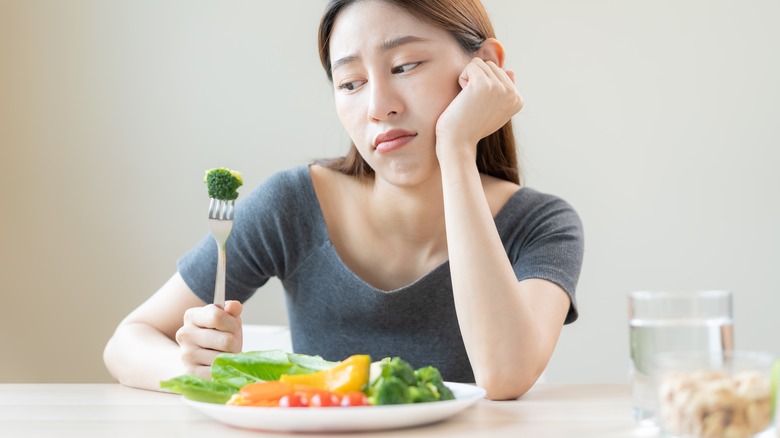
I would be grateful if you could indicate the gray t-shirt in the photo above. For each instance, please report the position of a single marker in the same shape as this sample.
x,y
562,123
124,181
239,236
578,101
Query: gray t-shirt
x,y
279,230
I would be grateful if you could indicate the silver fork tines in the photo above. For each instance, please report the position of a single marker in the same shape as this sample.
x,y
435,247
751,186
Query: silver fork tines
x,y
222,210
221,223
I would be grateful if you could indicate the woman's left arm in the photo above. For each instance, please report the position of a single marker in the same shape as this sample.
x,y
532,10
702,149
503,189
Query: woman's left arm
x,y
509,327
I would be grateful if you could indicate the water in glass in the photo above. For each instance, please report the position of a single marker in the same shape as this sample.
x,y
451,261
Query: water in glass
x,y
664,321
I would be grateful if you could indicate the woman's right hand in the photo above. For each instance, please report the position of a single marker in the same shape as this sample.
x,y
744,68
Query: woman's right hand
x,y
207,332
487,101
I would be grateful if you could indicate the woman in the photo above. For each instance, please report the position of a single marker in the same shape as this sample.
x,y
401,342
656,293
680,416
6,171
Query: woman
x,y
419,243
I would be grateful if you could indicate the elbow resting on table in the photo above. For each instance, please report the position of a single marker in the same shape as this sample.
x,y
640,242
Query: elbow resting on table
x,y
503,392
499,386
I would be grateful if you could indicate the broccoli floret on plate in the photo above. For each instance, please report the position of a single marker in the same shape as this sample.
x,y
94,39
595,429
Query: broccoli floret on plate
x,y
396,367
222,183
422,393
430,377
389,391
394,381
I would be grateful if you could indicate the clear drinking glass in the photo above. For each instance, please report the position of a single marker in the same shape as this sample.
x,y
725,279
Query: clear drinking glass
x,y
666,321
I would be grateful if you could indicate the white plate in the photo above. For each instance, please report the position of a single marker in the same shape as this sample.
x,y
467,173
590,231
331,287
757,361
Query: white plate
x,y
342,419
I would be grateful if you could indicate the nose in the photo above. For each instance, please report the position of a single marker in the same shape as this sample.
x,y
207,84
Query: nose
x,y
384,100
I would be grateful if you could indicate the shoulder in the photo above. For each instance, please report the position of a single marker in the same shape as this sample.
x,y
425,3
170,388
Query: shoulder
x,y
282,205
335,189
282,188
276,225
327,179
528,200
531,212
292,179
281,195
513,204
498,192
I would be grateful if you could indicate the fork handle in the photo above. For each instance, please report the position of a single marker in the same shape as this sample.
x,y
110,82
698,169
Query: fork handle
x,y
219,287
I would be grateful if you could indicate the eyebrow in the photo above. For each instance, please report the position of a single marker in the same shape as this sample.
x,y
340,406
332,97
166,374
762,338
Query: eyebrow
x,y
384,47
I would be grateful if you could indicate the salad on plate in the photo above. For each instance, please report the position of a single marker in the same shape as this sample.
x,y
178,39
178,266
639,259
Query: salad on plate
x,y
275,378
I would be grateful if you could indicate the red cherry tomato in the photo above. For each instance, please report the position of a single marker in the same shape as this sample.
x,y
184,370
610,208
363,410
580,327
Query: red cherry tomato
x,y
294,400
324,399
354,398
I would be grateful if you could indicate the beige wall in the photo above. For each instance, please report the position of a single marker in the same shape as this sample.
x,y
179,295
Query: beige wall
x,y
657,120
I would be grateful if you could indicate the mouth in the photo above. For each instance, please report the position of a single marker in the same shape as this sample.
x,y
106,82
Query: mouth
x,y
393,139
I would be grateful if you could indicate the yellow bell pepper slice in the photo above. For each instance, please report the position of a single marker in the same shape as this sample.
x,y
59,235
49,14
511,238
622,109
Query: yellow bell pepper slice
x,y
351,374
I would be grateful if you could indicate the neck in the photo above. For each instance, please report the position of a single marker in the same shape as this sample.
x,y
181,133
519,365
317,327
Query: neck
x,y
409,215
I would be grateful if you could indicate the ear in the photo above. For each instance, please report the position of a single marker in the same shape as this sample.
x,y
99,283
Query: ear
x,y
492,50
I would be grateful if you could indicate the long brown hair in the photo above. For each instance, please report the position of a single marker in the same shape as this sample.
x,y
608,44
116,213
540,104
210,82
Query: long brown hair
x,y
468,22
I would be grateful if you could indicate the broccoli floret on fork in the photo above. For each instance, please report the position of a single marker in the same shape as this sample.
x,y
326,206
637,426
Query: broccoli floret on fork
x,y
222,183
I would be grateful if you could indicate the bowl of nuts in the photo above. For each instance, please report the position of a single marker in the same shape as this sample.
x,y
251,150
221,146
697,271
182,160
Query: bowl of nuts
x,y
714,394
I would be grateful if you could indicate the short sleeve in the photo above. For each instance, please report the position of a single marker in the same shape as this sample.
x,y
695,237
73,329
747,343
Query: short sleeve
x,y
544,238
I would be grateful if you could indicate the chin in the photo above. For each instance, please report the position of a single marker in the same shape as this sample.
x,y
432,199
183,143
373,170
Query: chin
x,y
410,174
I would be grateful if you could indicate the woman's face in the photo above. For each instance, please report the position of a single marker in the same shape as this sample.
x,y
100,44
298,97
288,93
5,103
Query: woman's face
x,y
393,75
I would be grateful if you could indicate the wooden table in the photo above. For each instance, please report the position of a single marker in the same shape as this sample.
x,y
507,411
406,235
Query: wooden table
x,y
115,411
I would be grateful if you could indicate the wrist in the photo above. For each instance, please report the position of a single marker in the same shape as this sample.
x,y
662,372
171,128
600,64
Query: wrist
x,y
455,152
457,168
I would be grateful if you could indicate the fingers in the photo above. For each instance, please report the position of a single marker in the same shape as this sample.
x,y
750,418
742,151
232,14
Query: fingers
x,y
490,69
511,74
189,336
234,308
194,358
479,70
488,100
208,331
212,317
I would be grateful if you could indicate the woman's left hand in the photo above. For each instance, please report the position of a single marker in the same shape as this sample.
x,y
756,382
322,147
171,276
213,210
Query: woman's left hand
x,y
487,101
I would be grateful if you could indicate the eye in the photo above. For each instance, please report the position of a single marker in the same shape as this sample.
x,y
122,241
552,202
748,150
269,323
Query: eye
x,y
351,86
405,67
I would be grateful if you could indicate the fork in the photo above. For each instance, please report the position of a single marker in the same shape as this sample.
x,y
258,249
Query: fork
x,y
221,223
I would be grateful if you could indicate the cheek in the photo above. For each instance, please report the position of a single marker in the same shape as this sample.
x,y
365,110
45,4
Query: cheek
x,y
349,113
437,96
441,91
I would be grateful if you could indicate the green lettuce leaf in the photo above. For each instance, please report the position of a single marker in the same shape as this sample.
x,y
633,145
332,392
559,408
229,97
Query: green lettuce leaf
x,y
231,371
199,389
240,369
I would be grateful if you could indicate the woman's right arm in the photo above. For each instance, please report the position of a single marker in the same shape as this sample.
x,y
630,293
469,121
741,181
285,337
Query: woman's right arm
x,y
172,333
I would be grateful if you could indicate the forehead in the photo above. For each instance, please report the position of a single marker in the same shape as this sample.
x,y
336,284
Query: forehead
x,y
368,23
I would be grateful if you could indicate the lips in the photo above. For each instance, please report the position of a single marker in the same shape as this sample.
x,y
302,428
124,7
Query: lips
x,y
393,139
